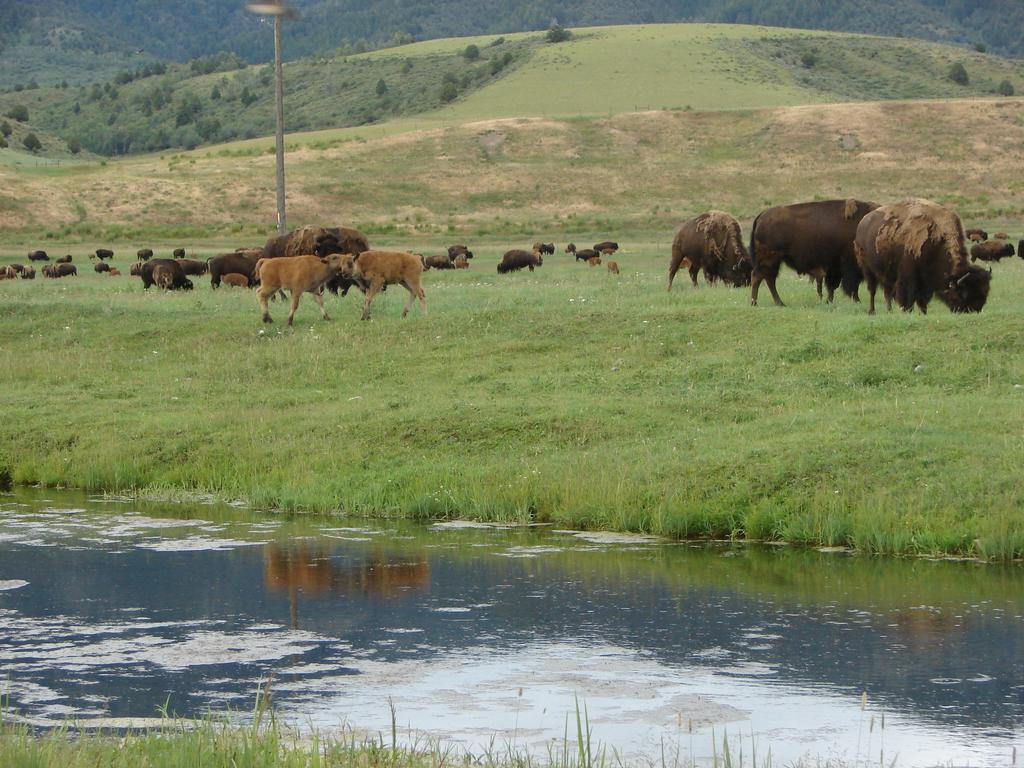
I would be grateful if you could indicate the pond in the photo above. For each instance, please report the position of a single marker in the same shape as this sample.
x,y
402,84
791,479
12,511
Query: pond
x,y
489,637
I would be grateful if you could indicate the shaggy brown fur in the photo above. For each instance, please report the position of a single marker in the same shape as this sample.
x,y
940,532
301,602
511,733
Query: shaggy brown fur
x,y
993,250
173,276
916,249
517,259
28,273
711,242
19,268
163,277
300,274
594,262
320,241
461,262
378,269
586,254
570,248
606,247
459,250
38,256
235,280
443,261
64,259
1001,236
135,270
8,273
237,262
613,267
977,235
193,266
101,266
144,254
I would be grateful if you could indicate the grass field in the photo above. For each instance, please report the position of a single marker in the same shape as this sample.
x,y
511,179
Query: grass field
x,y
567,395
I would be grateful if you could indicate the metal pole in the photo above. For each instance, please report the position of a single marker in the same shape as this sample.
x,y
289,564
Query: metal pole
x,y
279,98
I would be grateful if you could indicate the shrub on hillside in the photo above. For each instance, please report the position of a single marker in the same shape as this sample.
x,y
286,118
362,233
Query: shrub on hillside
x,y
5,129
958,74
32,142
74,146
449,92
1006,88
558,34
18,112
472,52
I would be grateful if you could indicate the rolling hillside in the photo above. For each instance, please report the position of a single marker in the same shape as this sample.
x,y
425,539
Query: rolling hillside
x,y
601,71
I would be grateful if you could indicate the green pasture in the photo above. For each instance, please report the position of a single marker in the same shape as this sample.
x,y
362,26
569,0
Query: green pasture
x,y
568,396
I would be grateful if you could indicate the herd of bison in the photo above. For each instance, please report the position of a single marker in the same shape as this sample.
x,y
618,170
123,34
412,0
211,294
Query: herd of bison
x,y
914,249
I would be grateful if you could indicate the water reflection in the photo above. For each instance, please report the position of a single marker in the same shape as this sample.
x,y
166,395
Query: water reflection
x,y
308,569
108,609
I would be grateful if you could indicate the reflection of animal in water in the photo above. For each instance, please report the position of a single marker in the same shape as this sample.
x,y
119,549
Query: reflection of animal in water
x,y
925,628
309,569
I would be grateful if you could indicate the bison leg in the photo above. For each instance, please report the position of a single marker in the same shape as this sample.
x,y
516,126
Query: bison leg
x,y
872,289
318,297
694,271
411,299
296,297
261,297
770,279
370,293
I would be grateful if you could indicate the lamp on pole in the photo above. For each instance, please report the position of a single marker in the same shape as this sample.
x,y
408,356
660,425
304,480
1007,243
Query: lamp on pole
x,y
279,11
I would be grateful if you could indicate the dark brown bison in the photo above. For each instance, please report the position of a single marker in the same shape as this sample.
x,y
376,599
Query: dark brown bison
x,y
64,259
178,253
993,250
29,273
60,270
172,275
144,254
317,241
570,248
38,256
916,249
517,259
586,254
812,238
443,261
18,268
101,266
544,248
104,253
193,267
607,247
977,235
454,251
712,242
237,262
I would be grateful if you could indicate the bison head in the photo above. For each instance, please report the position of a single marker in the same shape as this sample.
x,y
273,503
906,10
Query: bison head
x,y
967,289
187,285
136,270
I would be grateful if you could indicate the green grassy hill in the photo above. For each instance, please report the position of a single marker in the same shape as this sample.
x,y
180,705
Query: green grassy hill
x,y
603,71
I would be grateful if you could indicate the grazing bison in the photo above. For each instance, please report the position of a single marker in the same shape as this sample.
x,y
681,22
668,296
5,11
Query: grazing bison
x,y
378,269
461,261
712,242
60,270
977,235
607,247
28,273
8,273
64,259
993,250
586,254
237,262
300,274
144,254
104,253
544,248
319,241
178,253
193,267
38,256
916,249
135,270
19,268
594,262
444,261
101,266
1001,236
454,251
517,259
235,280
570,248
813,239
174,275
613,267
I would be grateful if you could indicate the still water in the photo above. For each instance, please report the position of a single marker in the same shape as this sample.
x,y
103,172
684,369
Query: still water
x,y
488,637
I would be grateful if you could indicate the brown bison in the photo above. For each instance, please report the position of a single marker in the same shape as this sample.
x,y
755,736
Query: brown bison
x,y
461,261
977,235
28,273
813,239
613,267
235,280
594,262
144,254
544,248
64,259
104,253
444,261
1020,249
916,249
19,268
454,251
993,250
319,241
377,269
586,254
135,270
38,256
173,279
193,267
570,248
517,259
607,247
101,266
114,272
299,275
178,253
712,242
8,273
237,262
59,270
1001,236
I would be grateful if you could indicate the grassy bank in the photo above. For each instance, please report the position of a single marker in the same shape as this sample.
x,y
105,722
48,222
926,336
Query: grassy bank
x,y
567,395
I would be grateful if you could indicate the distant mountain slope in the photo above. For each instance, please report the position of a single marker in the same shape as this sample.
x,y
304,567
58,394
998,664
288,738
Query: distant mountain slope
x,y
639,67
78,35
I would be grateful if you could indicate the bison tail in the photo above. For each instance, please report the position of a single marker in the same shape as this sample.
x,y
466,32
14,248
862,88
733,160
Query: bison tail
x,y
753,243
256,269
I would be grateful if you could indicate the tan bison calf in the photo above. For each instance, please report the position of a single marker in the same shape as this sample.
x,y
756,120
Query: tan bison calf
x,y
594,261
461,262
298,274
613,267
235,280
114,272
378,269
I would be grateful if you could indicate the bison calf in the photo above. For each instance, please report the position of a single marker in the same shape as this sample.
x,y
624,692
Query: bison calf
x,y
235,280
298,274
613,267
379,269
